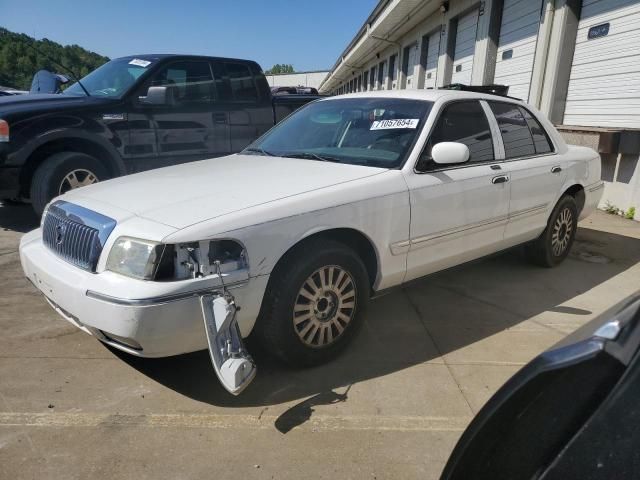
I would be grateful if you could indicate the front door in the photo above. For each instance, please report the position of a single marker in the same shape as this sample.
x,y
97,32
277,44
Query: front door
x,y
458,212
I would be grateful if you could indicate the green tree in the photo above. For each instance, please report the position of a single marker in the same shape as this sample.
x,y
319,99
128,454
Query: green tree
x,y
22,56
280,68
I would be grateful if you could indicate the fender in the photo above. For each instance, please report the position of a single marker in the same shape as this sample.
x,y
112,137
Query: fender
x,y
68,133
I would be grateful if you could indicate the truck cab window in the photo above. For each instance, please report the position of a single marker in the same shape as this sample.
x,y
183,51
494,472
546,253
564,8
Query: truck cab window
x,y
243,87
191,81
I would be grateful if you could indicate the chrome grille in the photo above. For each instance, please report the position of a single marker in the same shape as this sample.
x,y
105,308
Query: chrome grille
x,y
76,234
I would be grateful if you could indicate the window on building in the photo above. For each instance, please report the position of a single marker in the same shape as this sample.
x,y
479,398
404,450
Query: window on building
x,y
365,82
464,122
516,135
381,67
392,67
372,78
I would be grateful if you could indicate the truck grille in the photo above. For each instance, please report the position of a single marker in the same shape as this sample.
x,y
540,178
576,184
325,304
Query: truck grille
x,y
76,234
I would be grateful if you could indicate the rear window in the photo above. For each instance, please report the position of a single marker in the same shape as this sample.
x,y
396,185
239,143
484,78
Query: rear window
x,y
540,138
516,135
243,86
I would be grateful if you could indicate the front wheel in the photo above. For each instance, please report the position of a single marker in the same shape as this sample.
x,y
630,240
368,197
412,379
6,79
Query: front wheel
x,y
554,244
62,172
314,303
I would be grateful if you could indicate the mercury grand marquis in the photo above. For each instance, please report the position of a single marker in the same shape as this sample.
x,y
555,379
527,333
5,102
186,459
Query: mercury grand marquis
x,y
289,239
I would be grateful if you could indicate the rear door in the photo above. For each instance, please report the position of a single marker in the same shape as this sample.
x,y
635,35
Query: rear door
x,y
535,171
248,106
458,212
185,128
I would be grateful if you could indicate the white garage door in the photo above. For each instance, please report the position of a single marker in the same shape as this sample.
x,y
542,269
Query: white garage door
x,y
431,67
517,45
411,66
604,86
465,48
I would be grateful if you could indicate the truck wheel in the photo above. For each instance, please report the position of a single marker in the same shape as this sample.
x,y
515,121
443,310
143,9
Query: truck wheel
x,y
314,303
62,172
553,245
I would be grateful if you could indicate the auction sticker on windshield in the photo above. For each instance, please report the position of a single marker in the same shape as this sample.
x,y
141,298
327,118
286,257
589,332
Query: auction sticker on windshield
x,y
395,123
140,63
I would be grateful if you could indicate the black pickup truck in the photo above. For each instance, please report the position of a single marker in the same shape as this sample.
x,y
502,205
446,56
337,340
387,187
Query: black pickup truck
x,y
133,114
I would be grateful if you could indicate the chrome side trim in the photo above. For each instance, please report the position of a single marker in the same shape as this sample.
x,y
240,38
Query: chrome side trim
x,y
399,248
595,188
146,302
528,212
479,226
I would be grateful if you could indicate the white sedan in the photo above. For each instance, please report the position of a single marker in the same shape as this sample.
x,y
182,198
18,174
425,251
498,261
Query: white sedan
x,y
289,239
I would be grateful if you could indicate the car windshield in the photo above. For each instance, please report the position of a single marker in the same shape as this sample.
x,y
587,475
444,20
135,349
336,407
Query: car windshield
x,y
111,79
376,132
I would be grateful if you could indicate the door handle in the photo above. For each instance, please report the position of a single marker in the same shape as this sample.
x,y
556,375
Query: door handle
x,y
500,179
556,169
220,118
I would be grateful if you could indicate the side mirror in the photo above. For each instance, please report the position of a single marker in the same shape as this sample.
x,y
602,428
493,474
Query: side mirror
x,y
158,96
447,153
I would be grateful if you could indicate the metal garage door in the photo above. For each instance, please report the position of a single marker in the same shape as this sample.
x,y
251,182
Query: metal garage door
x,y
431,67
517,45
604,86
465,47
411,59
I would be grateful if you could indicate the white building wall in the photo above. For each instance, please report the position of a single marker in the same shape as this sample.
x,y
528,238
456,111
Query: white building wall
x,y
298,79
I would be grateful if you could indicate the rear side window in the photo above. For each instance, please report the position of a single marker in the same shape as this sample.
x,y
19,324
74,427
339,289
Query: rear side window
x,y
516,135
541,140
465,122
190,81
243,87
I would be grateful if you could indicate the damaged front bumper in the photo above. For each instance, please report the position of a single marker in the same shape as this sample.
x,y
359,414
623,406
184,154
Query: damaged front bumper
x,y
143,318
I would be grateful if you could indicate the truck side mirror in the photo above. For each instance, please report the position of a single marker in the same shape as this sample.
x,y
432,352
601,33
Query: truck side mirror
x,y
158,96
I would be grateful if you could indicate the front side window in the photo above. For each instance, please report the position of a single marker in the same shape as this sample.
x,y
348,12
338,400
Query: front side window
x,y
464,122
112,79
376,132
190,81
514,129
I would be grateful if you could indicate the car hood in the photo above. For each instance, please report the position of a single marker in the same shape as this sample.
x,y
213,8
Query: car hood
x,y
187,194
43,101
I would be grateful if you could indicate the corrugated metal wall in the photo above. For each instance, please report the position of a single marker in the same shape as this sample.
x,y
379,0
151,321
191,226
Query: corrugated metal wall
x,y
465,47
604,86
517,45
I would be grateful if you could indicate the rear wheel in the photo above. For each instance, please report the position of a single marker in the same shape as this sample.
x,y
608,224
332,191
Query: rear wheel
x,y
314,303
63,172
554,244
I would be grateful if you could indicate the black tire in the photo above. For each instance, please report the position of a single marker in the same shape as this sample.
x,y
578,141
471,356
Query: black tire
x,y
275,327
546,250
49,176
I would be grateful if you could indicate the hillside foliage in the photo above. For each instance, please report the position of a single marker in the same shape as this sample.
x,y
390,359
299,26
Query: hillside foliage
x,y
19,62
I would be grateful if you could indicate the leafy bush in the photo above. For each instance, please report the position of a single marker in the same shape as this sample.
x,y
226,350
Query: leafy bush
x,y
631,213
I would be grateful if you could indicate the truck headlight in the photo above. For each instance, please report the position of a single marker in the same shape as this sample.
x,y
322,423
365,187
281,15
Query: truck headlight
x,y
135,257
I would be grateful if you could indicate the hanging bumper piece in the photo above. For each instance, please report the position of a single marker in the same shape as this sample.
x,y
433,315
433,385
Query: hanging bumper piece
x,y
232,363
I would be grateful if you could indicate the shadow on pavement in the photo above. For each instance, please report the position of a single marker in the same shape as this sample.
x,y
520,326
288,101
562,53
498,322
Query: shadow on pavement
x,y
18,217
423,321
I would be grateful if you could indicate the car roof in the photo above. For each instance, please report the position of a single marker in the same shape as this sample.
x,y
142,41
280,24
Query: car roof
x,y
429,95
162,56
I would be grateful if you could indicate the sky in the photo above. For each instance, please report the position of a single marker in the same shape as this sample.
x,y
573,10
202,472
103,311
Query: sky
x,y
309,35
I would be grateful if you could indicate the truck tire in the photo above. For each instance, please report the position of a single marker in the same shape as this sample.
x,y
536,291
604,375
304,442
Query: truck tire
x,y
554,244
314,303
62,172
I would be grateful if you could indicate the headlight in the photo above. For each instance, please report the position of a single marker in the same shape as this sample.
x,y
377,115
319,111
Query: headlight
x,y
134,257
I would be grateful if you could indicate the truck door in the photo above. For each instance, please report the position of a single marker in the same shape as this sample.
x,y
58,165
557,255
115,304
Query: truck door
x,y
189,127
248,109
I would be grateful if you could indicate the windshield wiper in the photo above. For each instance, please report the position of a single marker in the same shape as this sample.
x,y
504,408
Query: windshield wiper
x,y
312,156
259,150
